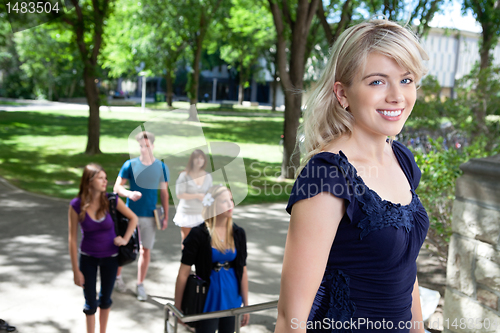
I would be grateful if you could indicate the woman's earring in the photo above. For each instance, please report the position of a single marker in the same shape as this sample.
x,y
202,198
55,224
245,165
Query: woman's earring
x,y
345,107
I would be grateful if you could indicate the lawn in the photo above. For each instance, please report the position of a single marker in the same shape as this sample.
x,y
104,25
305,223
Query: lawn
x,y
42,152
212,107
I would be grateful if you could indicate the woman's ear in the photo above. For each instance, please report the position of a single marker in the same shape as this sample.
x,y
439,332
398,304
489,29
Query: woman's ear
x,y
340,92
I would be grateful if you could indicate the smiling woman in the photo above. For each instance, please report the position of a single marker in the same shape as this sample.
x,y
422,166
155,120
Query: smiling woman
x,y
351,249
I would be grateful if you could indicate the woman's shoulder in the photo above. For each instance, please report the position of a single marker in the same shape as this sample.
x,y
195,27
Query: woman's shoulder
x,y
76,203
237,228
407,162
183,175
199,230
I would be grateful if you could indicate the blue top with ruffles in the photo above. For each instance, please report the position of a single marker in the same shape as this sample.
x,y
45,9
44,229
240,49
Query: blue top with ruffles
x,y
371,268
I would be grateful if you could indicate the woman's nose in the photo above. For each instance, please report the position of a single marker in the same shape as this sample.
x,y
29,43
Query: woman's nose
x,y
395,95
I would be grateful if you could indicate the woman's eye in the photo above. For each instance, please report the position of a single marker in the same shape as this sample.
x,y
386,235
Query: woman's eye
x,y
376,83
406,81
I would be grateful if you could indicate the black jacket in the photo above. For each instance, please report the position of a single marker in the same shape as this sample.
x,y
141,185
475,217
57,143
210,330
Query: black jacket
x,y
198,252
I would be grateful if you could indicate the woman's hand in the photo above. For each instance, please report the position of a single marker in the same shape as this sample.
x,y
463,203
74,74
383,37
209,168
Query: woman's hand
x,y
119,241
245,319
78,278
200,196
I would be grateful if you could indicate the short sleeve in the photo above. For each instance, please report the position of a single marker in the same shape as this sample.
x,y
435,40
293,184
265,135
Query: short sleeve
x,y
181,184
191,246
125,171
209,181
75,203
325,172
408,164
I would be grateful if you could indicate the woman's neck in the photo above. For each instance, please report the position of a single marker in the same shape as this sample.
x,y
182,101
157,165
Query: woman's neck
x,y
221,222
367,147
197,171
96,196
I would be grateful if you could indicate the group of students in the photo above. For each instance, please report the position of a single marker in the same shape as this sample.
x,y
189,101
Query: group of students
x,y
356,223
204,215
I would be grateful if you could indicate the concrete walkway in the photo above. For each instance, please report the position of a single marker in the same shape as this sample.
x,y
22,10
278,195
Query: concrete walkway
x,y
37,293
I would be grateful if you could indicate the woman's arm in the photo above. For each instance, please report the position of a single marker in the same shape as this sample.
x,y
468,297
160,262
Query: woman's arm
x,y
313,225
73,247
180,284
244,296
132,223
191,196
416,311
181,187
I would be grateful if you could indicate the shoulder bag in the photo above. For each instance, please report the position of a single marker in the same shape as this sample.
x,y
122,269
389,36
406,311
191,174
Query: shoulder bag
x,y
126,253
195,294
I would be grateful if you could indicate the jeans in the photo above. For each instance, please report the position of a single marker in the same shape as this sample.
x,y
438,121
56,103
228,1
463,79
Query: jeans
x,y
108,267
225,325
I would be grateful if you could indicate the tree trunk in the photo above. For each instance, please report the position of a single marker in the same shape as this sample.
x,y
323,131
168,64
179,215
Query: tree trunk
x,y
195,79
274,86
486,46
291,155
293,76
92,95
241,89
170,87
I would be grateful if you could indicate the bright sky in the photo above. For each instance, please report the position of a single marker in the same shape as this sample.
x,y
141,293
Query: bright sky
x,y
452,17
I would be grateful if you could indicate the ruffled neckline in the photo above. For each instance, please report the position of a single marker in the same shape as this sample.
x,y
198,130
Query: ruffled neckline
x,y
349,169
378,212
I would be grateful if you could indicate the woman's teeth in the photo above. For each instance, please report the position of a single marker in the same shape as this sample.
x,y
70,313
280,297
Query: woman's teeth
x,y
390,113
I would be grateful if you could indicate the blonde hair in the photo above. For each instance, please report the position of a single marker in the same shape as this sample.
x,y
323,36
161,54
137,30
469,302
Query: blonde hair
x,y
324,118
89,173
209,214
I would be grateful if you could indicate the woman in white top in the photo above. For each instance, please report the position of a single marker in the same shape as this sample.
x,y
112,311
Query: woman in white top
x,y
190,188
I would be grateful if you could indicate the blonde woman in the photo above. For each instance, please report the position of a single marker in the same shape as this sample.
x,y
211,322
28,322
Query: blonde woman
x,y
99,244
356,223
218,250
190,188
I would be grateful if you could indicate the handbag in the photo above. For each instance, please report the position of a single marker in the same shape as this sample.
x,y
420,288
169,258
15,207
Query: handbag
x,y
126,253
195,294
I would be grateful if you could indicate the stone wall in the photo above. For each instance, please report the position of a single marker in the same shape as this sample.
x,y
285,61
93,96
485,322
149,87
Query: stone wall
x,y
472,297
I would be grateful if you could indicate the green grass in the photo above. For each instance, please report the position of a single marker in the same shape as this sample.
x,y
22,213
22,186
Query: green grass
x,y
8,103
42,152
210,107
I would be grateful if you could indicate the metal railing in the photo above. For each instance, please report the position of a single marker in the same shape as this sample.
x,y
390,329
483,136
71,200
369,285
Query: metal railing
x,y
236,312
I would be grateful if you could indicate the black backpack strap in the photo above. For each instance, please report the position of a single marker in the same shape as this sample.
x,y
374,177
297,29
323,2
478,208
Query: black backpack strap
x,y
112,197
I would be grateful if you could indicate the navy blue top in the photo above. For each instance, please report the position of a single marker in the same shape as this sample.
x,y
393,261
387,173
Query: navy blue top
x,y
372,267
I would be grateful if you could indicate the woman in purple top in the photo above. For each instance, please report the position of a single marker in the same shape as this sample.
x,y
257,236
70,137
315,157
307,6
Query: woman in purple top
x,y
99,244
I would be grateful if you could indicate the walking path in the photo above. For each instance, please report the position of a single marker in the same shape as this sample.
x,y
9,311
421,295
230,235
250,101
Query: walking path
x,y
36,282
35,105
37,293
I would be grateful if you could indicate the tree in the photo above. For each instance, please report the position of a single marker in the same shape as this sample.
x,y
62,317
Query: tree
x,y
487,13
199,15
292,29
87,23
54,65
151,32
246,35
